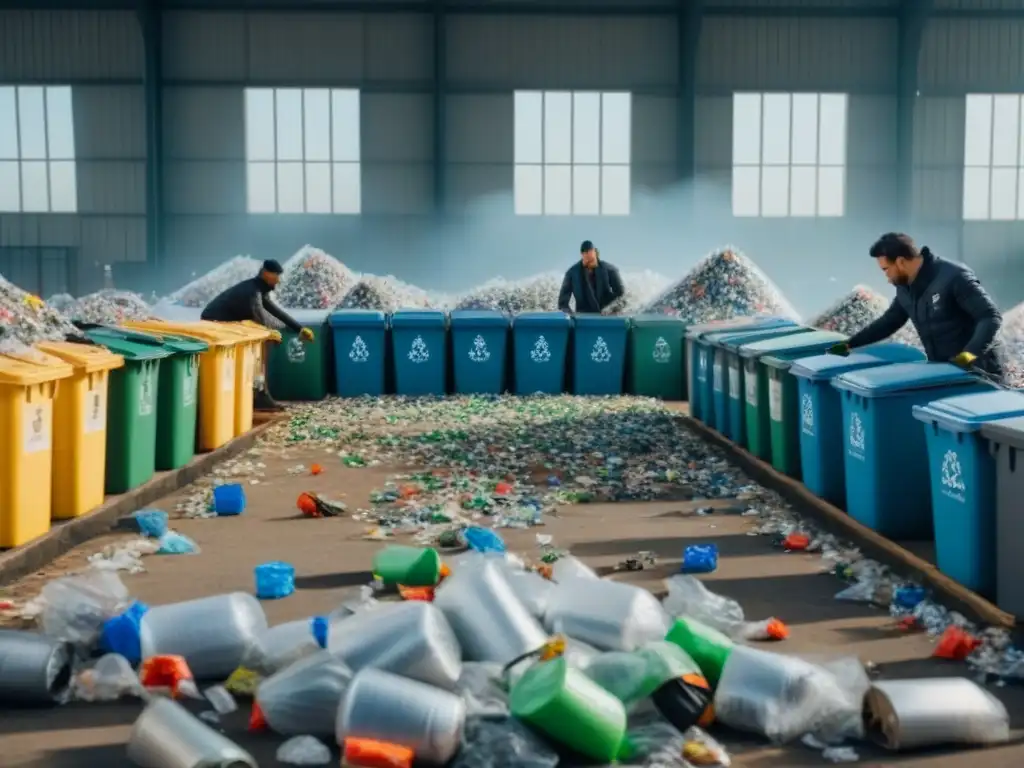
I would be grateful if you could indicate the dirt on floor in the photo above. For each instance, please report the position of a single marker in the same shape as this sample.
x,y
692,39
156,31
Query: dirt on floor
x,y
332,555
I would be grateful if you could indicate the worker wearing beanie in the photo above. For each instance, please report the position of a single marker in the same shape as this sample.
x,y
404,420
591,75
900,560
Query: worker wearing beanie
x,y
591,282
250,300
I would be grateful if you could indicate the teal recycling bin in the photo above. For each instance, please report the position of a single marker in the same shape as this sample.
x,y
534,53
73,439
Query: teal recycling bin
x,y
599,354
963,483
479,344
1006,444
540,341
699,358
419,344
885,455
360,351
727,376
820,420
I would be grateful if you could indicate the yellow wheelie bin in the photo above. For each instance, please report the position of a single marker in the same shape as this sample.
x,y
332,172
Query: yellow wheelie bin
x,y
252,337
27,392
80,434
217,375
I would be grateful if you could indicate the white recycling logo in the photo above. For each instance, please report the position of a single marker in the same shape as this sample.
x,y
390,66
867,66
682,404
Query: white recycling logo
x,y
296,351
857,437
540,353
952,472
479,353
807,411
418,351
600,353
359,352
662,351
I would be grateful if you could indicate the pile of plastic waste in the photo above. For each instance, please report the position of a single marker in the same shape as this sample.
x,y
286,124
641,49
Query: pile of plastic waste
x,y
533,294
202,290
858,309
724,284
386,294
108,307
26,319
1012,336
313,279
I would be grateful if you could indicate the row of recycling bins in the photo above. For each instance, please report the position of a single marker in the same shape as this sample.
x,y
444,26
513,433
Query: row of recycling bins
x,y
79,420
911,449
431,352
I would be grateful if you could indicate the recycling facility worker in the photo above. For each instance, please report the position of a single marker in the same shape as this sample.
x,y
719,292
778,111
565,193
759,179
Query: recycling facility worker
x,y
593,283
250,300
954,315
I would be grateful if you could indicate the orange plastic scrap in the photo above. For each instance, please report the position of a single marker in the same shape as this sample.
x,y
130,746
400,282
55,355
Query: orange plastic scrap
x,y
955,644
796,542
316,469
311,505
367,753
776,629
445,572
257,723
420,594
165,672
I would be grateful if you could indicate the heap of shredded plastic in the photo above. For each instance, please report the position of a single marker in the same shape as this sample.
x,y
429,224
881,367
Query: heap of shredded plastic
x,y
202,290
61,302
314,279
856,310
533,294
641,288
722,285
1013,344
28,319
386,294
109,308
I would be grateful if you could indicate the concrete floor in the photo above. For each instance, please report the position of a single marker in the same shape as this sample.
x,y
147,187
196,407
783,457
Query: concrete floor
x,y
331,556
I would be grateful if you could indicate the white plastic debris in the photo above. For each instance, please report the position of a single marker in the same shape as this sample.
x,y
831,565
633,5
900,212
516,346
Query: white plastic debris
x,y
201,290
313,279
108,308
858,309
303,750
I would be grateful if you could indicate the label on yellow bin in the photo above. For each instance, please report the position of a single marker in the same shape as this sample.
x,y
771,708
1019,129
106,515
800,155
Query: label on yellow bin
x,y
248,368
95,409
38,426
229,375
775,399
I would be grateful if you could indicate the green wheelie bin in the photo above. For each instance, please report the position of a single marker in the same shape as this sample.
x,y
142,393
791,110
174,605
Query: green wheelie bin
x,y
656,364
297,370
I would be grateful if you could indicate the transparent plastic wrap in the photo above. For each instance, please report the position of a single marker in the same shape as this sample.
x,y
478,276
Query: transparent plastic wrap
x,y
656,743
355,600
502,744
303,750
687,596
784,697
570,567
532,589
480,686
606,614
280,646
76,607
634,675
110,678
304,698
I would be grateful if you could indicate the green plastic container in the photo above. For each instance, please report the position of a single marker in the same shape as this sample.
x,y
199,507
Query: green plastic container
x,y
132,410
408,566
705,645
178,402
298,370
783,416
571,709
758,397
657,365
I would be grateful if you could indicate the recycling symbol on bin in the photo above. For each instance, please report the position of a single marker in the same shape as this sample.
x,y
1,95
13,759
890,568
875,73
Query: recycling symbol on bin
x,y
600,353
807,412
952,472
479,353
540,353
662,351
359,353
418,351
857,437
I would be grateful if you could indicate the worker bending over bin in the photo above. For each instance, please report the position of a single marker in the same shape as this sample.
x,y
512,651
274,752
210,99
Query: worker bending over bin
x,y
250,300
593,283
955,317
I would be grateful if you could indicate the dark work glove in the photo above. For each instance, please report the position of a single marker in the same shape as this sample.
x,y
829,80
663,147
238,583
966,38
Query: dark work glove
x,y
842,349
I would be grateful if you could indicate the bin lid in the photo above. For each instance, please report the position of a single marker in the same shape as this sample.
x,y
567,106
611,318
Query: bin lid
x,y
824,367
733,340
652,320
791,345
176,344
88,358
346,318
602,322
542,320
32,367
214,334
966,413
419,318
752,321
133,347
1005,431
253,331
479,318
895,379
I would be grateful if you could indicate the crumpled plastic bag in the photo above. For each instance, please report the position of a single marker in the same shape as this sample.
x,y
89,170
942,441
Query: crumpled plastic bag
x,y
632,676
303,750
281,645
76,607
687,596
502,743
110,678
659,744
480,686
609,615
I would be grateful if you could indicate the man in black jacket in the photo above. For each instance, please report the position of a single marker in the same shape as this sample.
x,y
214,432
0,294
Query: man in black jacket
x,y
250,300
593,283
955,317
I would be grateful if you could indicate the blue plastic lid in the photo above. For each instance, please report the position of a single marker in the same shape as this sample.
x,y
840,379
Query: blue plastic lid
x,y
902,377
346,318
824,367
123,633
479,318
966,413
419,318
320,626
542,320
602,322
780,346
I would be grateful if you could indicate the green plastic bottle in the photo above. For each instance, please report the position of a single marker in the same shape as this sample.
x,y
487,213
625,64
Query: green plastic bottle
x,y
408,566
705,645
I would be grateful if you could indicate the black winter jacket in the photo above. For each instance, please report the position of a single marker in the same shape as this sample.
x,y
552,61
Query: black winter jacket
x,y
590,296
951,311
248,300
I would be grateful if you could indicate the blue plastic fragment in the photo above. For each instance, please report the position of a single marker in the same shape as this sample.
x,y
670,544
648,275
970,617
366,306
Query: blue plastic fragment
x,y
274,580
123,633
174,543
908,597
320,628
151,522
483,540
229,499
700,558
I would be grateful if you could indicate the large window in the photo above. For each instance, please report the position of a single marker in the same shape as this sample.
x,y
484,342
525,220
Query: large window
x,y
302,148
37,150
789,154
994,158
572,153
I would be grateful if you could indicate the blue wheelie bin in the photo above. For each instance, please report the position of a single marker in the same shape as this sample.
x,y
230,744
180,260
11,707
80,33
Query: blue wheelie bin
x,y
360,349
963,483
540,342
599,354
885,454
420,346
479,344
821,413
